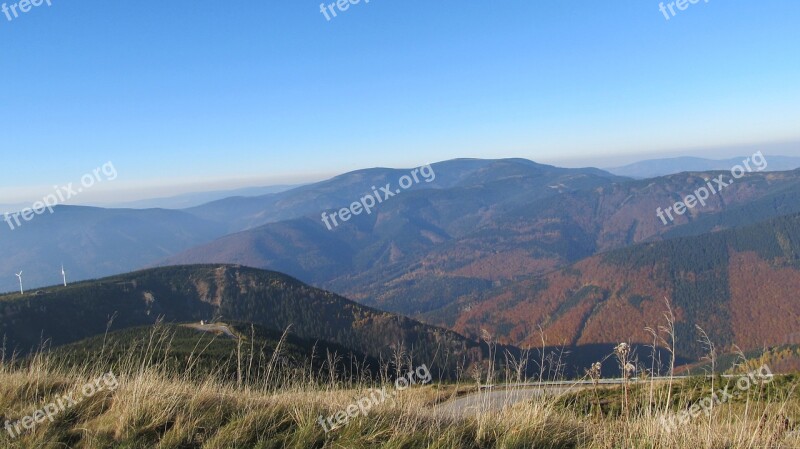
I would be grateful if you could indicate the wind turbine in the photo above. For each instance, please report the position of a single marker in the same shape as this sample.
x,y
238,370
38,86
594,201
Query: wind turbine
x,y
63,275
19,275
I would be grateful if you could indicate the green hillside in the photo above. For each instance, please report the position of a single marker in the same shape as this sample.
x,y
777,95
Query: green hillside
x,y
249,353
61,315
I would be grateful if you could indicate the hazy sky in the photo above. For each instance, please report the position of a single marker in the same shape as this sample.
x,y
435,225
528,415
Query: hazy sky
x,y
269,92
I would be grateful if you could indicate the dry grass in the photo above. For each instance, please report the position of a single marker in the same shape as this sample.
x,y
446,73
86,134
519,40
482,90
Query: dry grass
x,y
156,408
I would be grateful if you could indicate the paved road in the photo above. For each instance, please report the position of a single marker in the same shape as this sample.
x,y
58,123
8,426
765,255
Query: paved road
x,y
218,328
497,397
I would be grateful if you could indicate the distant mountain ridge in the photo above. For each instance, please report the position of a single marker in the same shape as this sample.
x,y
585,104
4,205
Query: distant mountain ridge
x,y
194,199
340,191
423,252
95,242
653,168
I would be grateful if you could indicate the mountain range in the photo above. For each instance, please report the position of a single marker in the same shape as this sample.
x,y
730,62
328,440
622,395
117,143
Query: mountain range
x,y
509,247
737,285
424,252
95,242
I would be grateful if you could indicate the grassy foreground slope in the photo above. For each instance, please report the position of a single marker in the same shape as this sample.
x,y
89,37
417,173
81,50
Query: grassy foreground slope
x,y
159,406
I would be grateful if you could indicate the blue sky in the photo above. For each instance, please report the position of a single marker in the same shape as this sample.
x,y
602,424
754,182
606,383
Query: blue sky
x,y
268,92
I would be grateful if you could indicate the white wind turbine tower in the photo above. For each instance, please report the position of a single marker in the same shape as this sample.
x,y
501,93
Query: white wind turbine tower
x,y
19,275
63,275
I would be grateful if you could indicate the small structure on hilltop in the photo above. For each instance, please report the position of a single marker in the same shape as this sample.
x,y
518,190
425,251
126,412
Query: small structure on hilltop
x,y
19,275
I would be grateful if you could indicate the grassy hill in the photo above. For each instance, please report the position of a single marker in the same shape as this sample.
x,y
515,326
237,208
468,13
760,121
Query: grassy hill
x,y
270,300
249,352
127,306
